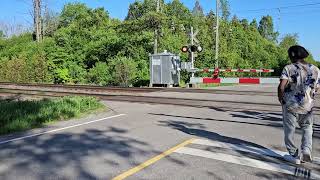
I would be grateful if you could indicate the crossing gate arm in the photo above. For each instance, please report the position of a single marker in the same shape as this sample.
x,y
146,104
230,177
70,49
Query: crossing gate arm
x,y
233,70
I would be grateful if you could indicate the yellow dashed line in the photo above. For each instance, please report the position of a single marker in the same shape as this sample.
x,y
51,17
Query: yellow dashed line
x,y
151,161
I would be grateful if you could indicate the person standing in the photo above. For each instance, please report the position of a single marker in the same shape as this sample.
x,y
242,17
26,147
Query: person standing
x,y
296,92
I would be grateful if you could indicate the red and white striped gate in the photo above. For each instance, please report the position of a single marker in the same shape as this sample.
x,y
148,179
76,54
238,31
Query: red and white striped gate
x,y
241,80
238,70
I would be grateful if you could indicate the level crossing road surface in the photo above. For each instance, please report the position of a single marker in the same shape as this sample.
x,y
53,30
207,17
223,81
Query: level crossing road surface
x,y
229,137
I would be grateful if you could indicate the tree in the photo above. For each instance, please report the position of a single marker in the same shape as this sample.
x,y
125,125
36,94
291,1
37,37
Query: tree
x,y
37,19
177,10
254,24
85,45
289,40
266,28
139,9
197,10
225,9
245,23
2,35
235,20
12,29
135,11
50,22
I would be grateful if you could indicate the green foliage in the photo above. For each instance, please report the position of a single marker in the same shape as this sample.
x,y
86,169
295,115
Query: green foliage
x,y
100,74
225,8
139,9
177,11
2,34
266,28
289,40
124,71
23,115
84,45
61,76
15,70
38,69
197,10
82,16
19,69
254,24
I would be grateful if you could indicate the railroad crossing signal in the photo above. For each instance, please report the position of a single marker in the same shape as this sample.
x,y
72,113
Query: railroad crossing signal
x,y
192,48
196,41
196,48
185,49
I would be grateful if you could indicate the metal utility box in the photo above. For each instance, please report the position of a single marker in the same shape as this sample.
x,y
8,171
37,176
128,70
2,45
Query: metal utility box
x,y
164,69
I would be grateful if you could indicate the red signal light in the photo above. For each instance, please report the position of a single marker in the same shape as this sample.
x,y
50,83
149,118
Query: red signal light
x,y
185,49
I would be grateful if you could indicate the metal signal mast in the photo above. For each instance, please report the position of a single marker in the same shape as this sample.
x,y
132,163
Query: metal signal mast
x,y
217,33
156,32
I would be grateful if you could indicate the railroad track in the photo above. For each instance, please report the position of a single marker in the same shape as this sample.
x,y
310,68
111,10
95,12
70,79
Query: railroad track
x,y
102,89
219,105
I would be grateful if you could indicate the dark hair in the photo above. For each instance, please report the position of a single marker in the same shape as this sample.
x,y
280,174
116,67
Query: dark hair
x,y
297,52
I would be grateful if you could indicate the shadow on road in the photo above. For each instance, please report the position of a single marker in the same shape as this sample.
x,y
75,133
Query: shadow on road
x,y
276,117
273,121
53,156
222,120
197,130
278,176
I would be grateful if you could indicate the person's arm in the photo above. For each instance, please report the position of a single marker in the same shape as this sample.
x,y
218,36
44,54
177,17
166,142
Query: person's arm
x,y
281,88
284,79
318,82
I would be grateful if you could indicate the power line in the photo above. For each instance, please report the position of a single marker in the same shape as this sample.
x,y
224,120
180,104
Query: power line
x,y
283,13
281,7
301,13
26,2
288,11
301,5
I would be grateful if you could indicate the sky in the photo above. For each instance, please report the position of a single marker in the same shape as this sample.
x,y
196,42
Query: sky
x,y
290,16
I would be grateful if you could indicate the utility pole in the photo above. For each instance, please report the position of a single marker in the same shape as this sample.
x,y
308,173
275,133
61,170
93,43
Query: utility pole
x,y
156,32
279,19
37,19
217,33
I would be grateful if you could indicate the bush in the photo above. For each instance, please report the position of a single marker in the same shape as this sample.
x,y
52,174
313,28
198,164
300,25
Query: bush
x,y
99,74
124,71
16,70
61,76
38,69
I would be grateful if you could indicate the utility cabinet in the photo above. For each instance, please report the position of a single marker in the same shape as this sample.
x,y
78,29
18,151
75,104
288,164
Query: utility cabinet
x,y
164,69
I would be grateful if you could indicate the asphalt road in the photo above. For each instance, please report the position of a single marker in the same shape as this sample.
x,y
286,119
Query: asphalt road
x,y
241,138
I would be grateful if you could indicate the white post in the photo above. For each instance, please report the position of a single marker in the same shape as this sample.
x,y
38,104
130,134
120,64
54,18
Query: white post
x,y
192,54
156,32
217,33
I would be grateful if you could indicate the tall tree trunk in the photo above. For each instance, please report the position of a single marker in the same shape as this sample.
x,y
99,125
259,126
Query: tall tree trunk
x,y
37,19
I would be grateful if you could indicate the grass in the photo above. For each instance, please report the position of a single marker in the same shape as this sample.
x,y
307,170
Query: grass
x,y
17,116
215,85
